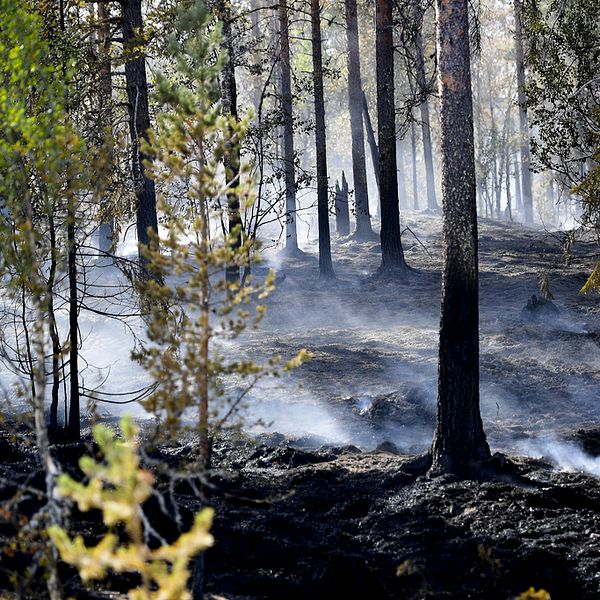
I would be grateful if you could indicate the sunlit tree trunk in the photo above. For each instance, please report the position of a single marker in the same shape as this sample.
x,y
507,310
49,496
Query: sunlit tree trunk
x,y
392,255
459,439
359,169
325,265
291,234
139,119
527,196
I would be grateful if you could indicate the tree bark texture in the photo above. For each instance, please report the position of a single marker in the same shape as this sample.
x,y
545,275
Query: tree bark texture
x,y
359,169
459,440
291,234
232,158
392,255
139,119
325,264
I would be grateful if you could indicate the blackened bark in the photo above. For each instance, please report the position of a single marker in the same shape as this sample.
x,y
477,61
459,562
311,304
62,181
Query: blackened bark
x,y
139,120
459,440
232,158
371,138
325,265
107,227
392,255
342,212
526,195
424,108
291,234
359,169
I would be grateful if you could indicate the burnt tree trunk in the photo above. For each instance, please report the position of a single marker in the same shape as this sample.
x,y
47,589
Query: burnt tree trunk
x,y
232,157
139,120
291,234
359,169
415,177
459,441
106,227
325,265
342,212
392,255
424,108
526,193
371,139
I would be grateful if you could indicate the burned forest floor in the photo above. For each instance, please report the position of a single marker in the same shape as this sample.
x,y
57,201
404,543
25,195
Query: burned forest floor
x,y
316,498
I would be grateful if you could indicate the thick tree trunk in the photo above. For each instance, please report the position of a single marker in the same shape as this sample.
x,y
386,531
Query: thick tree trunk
x,y
232,158
527,196
325,265
415,178
392,255
359,169
107,226
291,234
424,107
459,440
139,120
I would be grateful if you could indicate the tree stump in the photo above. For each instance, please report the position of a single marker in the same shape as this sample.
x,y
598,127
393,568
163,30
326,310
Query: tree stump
x,y
342,211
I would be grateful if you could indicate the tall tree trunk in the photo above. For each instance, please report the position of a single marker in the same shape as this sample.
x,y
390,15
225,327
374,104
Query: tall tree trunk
x,y
516,172
494,149
424,107
459,439
139,120
402,193
359,169
291,234
527,196
325,265
392,255
107,226
232,158
415,177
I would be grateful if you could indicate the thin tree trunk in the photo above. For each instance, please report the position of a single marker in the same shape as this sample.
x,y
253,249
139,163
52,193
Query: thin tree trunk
x,y
527,196
415,177
517,173
232,158
402,193
371,139
325,265
459,439
359,169
53,329
291,234
494,149
106,228
139,121
424,107
392,255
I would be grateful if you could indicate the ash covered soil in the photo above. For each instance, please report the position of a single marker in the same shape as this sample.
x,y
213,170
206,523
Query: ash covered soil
x,y
321,504
320,499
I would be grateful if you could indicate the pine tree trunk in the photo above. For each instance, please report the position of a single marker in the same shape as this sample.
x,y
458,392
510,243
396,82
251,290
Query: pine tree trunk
x,y
392,255
527,196
232,158
291,234
107,226
325,265
415,177
424,107
402,193
371,139
139,120
459,440
359,169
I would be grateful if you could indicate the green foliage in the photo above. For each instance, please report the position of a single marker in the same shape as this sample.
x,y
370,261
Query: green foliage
x,y
192,303
119,487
